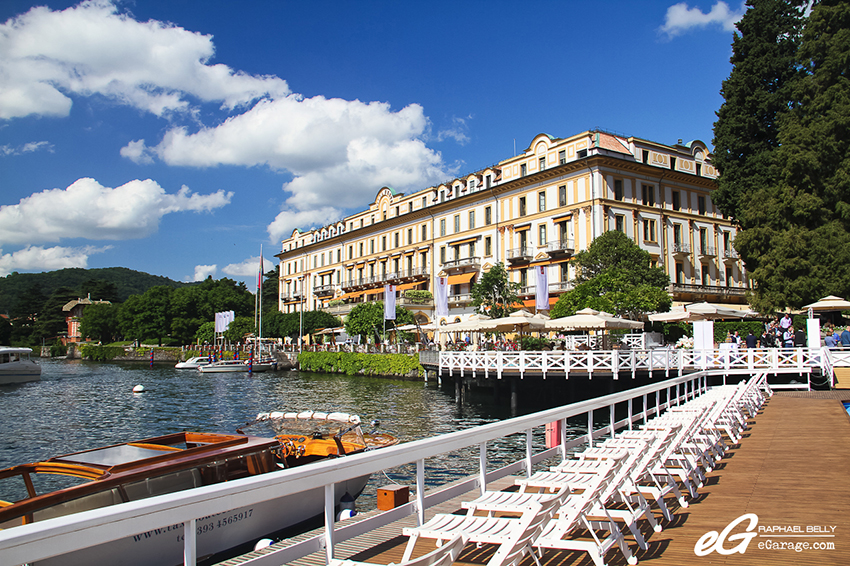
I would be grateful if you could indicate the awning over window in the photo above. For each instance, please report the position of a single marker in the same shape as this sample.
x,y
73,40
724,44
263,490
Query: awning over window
x,y
409,286
532,302
461,278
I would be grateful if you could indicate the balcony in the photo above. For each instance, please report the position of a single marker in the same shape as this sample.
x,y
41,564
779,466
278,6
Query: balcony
x,y
705,290
339,310
560,248
681,249
561,287
520,255
730,255
461,299
415,303
465,264
707,251
323,290
388,278
526,290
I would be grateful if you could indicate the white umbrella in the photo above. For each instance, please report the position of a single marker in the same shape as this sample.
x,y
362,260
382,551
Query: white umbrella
x,y
519,320
830,303
676,314
409,327
474,322
589,319
712,311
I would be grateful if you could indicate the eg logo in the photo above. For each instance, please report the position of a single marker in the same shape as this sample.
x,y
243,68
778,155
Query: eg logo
x,y
711,541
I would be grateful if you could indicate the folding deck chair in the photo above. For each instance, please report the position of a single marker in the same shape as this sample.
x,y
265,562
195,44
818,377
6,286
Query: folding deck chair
x,y
441,556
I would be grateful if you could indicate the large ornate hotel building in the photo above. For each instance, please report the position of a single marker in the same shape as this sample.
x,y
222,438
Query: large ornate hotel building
x,y
537,208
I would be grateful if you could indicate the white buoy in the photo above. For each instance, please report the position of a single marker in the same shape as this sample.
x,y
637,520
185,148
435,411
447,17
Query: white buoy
x,y
139,389
263,543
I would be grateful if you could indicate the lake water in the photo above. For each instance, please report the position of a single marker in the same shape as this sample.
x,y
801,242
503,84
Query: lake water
x,y
80,405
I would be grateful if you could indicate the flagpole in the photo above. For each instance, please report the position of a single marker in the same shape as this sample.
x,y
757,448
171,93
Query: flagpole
x,y
260,298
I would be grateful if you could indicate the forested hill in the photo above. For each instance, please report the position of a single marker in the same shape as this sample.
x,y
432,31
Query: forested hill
x,y
117,281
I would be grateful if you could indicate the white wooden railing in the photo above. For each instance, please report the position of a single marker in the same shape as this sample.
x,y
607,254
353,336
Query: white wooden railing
x,y
616,362
54,537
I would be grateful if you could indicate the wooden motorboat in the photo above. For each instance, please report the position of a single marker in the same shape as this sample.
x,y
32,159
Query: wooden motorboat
x,y
17,367
120,473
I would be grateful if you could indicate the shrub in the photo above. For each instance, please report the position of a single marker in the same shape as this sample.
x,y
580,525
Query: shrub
x,y
534,343
353,363
100,353
58,349
418,295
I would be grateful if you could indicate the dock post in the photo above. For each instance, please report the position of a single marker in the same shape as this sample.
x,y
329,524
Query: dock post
x,y
514,401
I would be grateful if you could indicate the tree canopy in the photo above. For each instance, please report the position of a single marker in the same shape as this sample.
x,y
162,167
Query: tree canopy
x,y
790,197
367,319
615,275
493,294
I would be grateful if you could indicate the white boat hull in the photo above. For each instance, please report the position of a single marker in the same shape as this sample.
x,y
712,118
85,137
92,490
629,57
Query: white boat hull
x,y
19,372
215,534
224,368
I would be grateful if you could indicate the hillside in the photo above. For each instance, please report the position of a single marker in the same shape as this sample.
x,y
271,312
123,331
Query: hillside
x,y
126,281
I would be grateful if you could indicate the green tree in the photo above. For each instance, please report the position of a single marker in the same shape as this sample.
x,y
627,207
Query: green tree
x,y
100,290
147,316
205,333
100,322
756,94
52,319
367,319
615,275
794,224
239,328
493,294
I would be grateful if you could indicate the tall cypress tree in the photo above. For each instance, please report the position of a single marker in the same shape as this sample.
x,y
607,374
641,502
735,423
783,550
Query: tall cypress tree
x,y
797,239
764,59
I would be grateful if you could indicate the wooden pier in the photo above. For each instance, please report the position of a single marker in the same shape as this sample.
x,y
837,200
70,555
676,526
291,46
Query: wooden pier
x,y
789,470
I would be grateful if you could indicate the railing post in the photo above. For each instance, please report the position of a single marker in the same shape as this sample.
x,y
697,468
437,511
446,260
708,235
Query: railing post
x,y
482,467
630,412
590,428
329,522
420,492
612,417
190,550
528,452
645,412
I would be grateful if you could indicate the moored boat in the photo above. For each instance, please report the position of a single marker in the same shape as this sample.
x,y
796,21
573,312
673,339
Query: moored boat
x,y
17,367
132,471
225,366
193,363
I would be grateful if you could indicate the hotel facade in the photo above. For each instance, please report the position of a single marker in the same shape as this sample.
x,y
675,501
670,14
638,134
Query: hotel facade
x,y
534,209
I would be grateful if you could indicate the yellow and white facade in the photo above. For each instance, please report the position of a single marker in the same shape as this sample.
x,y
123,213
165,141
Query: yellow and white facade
x,y
537,208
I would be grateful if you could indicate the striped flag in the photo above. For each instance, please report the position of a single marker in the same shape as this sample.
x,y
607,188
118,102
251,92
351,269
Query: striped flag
x,y
389,302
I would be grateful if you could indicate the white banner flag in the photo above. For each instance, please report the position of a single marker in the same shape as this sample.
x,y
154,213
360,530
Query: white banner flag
x,y
441,294
223,320
389,302
542,290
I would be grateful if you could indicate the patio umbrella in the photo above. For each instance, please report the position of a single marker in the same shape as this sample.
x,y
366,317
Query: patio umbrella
x,y
589,319
410,327
830,303
676,314
473,323
516,321
711,311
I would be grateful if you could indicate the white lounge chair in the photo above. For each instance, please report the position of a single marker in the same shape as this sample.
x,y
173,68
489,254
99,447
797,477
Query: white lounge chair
x,y
441,556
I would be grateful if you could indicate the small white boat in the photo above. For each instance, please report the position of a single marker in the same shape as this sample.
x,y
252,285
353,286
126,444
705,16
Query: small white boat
x,y
17,367
194,363
226,366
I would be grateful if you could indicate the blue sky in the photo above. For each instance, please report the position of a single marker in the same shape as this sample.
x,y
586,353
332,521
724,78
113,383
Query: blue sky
x,y
177,137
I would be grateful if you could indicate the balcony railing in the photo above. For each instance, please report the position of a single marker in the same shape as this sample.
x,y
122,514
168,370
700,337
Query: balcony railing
x,y
323,290
523,253
461,298
561,286
420,303
464,262
527,290
680,248
387,277
560,247
707,251
730,254
707,290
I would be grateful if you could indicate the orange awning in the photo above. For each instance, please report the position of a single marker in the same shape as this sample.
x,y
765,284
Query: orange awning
x,y
408,286
352,295
532,302
461,279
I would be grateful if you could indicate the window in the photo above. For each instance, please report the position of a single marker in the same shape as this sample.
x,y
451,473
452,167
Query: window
x,y
396,211
487,182
395,240
581,153
395,265
677,234
618,189
523,277
541,200
383,215
562,195
442,226
339,255
471,249
523,170
646,156
649,230
383,243
315,261
488,246
542,163
522,206
424,202
677,200
542,229
372,220
703,240
726,242
673,163
423,260
372,246
562,157
488,215
648,195
424,232
565,271
680,272
620,223
457,223
701,205
350,226
456,252
350,252
410,236
410,206
361,223
361,249
443,254
471,219
730,281
706,279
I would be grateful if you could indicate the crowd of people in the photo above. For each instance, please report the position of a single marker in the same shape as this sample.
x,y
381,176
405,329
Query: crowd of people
x,y
780,333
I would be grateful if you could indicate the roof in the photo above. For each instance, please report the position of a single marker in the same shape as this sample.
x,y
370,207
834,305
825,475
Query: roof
x,y
71,304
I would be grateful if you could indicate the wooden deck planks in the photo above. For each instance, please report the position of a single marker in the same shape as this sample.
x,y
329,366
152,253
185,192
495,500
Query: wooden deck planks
x,y
789,470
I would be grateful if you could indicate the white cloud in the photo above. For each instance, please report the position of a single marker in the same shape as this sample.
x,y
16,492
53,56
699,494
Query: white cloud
x,y
457,132
681,18
26,148
36,258
248,268
204,271
136,152
93,49
87,209
288,220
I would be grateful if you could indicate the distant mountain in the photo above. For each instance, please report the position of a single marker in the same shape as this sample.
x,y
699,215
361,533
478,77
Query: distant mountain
x,y
119,282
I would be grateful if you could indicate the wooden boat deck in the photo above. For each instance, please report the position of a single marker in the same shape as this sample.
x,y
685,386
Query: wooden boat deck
x,y
790,470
